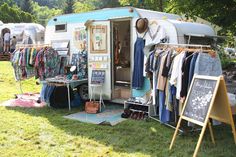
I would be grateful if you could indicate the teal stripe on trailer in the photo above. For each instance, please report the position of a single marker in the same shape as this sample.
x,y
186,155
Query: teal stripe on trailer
x,y
103,14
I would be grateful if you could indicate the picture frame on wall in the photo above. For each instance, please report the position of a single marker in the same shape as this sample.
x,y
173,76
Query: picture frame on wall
x,y
80,38
98,36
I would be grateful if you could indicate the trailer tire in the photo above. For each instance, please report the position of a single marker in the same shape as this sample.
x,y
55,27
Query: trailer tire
x,y
83,91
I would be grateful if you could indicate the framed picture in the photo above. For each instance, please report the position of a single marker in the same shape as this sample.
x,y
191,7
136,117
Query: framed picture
x,y
98,36
80,38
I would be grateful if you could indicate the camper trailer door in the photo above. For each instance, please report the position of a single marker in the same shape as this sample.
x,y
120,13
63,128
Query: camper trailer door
x,y
99,58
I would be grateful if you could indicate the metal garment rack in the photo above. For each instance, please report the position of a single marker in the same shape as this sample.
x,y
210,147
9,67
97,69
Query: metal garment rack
x,y
19,46
154,92
32,45
184,45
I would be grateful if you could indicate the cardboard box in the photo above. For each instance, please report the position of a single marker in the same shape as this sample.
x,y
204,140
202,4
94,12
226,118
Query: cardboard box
x,y
125,93
116,93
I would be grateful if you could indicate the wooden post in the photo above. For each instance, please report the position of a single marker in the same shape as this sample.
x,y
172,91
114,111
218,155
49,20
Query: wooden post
x,y
176,131
211,132
199,141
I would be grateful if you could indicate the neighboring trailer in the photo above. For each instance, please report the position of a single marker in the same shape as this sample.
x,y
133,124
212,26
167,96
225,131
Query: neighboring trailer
x,y
24,30
99,31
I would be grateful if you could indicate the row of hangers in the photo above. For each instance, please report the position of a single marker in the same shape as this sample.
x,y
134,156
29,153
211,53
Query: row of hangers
x,y
33,46
179,48
37,47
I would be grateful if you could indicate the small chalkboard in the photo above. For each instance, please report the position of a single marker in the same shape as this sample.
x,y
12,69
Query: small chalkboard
x,y
199,99
98,77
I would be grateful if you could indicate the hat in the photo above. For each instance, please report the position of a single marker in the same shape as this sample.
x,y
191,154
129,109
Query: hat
x,y
141,25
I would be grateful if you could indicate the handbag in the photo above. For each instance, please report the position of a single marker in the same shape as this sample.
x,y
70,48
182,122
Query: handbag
x,y
92,107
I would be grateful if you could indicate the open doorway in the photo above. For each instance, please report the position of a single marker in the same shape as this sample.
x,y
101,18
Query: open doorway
x,y
121,60
5,40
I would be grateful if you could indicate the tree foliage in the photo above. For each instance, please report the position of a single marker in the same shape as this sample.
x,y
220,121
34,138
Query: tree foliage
x,y
14,14
57,4
88,5
9,2
220,12
69,6
106,4
83,7
44,13
27,6
146,4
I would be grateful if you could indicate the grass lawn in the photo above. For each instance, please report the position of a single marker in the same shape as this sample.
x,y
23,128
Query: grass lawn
x,y
44,132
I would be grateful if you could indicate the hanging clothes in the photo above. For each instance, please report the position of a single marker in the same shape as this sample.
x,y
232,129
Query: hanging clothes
x,y
185,74
191,69
164,114
80,61
176,75
39,65
208,65
52,63
172,74
161,83
137,79
29,62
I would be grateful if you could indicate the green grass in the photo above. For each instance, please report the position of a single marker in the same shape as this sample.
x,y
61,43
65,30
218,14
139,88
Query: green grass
x,y
8,85
44,132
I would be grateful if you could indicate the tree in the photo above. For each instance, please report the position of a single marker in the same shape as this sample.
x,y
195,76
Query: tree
x,y
69,6
9,2
27,6
57,4
157,5
43,13
14,14
220,12
106,4
83,7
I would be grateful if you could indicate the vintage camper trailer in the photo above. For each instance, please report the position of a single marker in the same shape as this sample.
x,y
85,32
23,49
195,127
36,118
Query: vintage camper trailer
x,y
109,33
24,30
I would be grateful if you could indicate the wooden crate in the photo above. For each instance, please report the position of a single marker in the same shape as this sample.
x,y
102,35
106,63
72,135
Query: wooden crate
x,y
5,57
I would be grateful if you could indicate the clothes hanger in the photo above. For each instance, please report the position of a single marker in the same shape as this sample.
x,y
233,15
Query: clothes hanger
x,y
153,22
153,34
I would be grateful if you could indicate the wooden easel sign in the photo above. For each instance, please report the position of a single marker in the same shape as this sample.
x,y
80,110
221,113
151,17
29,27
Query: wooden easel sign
x,y
207,98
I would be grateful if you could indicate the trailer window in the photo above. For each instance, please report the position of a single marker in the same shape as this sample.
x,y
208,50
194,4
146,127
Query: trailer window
x,y
200,40
60,28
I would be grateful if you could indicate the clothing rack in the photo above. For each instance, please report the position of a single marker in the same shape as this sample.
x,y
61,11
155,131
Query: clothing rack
x,y
184,45
32,45
167,124
154,92
19,46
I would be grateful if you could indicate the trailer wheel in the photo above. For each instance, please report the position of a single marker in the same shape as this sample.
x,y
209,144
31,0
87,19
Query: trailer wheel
x,y
83,92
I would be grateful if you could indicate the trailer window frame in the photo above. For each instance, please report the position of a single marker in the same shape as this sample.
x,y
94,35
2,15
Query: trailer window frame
x,y
58,28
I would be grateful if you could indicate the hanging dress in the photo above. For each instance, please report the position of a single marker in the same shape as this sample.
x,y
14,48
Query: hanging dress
x,y
138,79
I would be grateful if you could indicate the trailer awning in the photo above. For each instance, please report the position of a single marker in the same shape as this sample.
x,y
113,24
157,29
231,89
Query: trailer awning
x,y
61,46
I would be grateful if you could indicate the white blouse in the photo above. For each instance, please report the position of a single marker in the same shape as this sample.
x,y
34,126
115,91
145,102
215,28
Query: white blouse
x,y
176,74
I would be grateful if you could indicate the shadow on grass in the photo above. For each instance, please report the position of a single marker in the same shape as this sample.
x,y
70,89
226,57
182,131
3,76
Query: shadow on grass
x,y
146,138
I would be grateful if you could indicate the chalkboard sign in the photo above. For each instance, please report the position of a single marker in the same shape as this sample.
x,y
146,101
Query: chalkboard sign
x,y
98,77
199,99
207,98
